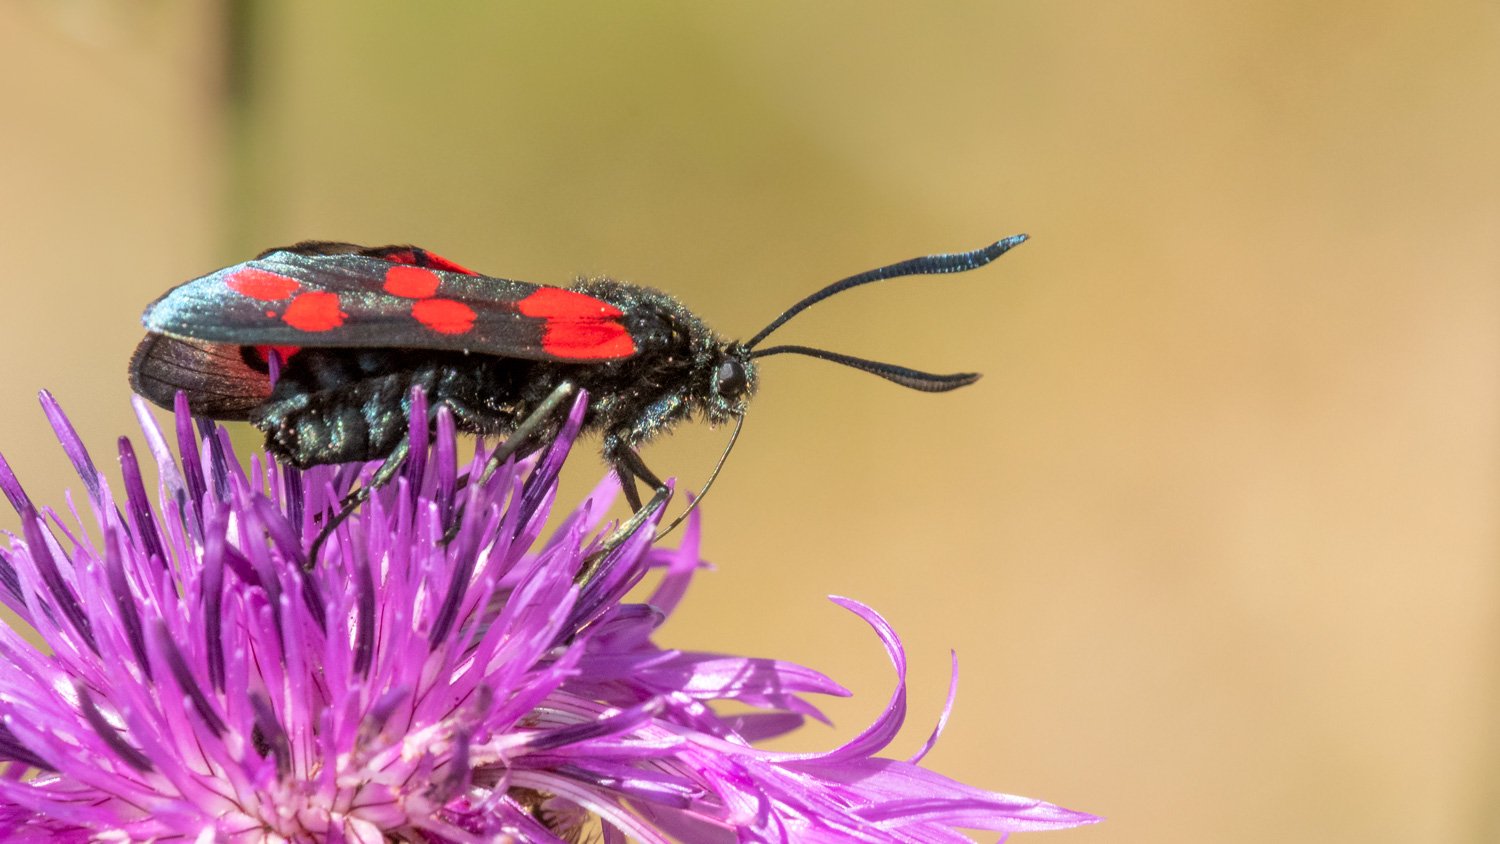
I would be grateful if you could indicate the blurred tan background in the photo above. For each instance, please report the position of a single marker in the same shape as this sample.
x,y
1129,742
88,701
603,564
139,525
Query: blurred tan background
x,y
1216,536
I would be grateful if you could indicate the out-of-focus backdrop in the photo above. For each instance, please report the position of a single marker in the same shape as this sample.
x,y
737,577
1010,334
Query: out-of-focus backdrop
x,y
1216,536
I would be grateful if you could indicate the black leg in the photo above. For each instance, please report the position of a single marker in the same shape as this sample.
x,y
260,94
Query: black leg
x,y
638,468
627,486
534,422
383,475
628,465
528,428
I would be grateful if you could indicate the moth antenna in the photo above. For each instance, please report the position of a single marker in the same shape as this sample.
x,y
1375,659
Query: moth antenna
x,y
915,379
739,422
956,262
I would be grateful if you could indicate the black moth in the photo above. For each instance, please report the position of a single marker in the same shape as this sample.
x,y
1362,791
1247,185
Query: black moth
x,y
320,344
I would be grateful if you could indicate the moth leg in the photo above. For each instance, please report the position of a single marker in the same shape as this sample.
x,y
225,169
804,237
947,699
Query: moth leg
x,y
627,463
536,420
629,466
351,502
632,462
627,485
539,417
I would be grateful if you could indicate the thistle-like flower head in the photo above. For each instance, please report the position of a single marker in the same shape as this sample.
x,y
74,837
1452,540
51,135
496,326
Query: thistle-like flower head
x,y
201,682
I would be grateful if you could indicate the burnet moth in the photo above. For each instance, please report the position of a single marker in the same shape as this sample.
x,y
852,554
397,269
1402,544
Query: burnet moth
x,y
349,331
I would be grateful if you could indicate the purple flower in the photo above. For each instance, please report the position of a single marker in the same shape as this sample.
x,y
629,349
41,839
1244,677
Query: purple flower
x,y
202,684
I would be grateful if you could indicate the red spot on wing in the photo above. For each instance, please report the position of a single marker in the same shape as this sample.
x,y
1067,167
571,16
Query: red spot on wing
x,y
410,282
556,303
588,340
445,316
262,285
578,326
314,312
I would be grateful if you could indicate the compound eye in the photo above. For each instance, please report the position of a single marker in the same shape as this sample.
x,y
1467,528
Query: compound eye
x,y
732,380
